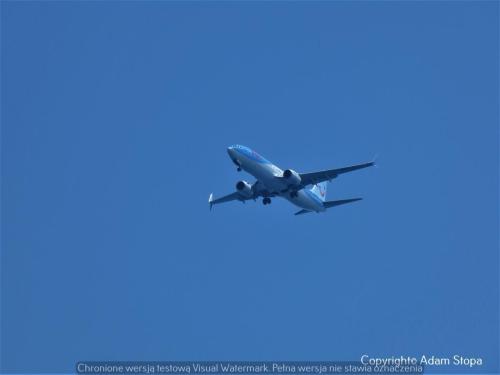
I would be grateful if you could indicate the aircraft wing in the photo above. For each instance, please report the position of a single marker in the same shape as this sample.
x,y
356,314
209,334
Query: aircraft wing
x,y
230,197
329,174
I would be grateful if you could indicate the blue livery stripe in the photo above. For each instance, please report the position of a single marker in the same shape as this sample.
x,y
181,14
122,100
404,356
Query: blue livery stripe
x,y
249,153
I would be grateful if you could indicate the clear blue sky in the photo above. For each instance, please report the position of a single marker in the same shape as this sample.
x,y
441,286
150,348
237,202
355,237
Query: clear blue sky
x,y
115,122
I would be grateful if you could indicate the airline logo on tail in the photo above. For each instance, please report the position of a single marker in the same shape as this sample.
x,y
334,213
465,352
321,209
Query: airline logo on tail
x,y
320,190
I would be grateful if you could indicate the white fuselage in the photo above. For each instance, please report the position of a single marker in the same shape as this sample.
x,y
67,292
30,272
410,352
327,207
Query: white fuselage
x,y
271,178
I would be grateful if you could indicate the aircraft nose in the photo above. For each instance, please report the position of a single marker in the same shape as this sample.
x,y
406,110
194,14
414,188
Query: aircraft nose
x,y
231,151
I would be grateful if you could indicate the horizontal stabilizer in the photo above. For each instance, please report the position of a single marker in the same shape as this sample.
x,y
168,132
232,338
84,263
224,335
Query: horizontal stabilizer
x,y
302,212
331,204
339,202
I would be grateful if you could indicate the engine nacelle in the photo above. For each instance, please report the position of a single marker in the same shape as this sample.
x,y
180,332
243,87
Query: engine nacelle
x,y
244,188
292,177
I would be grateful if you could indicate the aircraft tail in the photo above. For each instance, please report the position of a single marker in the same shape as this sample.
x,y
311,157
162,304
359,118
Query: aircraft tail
x,y
339,202
320,190
330,204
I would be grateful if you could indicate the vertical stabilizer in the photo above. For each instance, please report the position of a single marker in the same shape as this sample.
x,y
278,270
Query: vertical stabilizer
x,y
320,190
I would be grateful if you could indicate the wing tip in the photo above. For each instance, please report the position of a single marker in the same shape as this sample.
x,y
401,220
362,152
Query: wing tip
x,y
210,201
352,200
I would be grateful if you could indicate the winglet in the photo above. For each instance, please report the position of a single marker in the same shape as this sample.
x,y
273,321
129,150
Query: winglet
x,y
374,160
210,200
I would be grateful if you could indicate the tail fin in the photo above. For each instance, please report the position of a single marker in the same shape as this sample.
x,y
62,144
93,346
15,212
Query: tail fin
x,y
320,190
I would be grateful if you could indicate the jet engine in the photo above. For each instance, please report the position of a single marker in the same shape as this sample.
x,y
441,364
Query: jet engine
x,y
292,177
244,188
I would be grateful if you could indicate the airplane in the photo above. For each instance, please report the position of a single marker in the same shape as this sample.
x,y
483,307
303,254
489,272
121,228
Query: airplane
x,y
289,184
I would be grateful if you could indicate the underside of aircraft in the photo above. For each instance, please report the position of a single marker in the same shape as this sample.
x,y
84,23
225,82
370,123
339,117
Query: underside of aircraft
x,y
305,190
